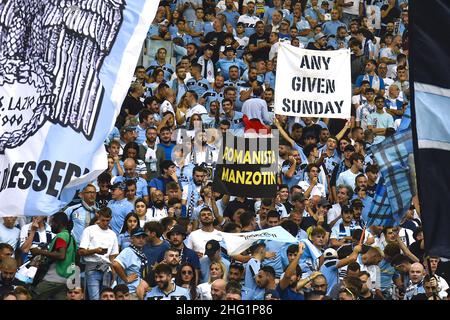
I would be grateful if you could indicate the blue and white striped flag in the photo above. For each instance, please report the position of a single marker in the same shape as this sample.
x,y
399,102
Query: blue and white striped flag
x,y
65,68
395,190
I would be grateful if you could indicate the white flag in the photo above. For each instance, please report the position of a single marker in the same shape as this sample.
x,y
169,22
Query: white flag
x,y
238,242
313,83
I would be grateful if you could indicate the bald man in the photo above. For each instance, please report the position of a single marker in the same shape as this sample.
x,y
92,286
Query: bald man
x,y
8,269
129,168
415,285
218,289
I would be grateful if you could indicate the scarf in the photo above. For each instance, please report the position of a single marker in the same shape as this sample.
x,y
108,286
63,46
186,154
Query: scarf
x,y
143,258
209,72
375,81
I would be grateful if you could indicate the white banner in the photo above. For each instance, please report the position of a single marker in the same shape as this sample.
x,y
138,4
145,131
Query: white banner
x,y
238,242
65,68
313,83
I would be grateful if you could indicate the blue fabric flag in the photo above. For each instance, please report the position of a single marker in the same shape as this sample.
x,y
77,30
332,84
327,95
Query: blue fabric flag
x,y
394,191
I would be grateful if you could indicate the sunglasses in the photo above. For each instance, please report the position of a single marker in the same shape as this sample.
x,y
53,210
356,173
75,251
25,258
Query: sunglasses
x,y
188,272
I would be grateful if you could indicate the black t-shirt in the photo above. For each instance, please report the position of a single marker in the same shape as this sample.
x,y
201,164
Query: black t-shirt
x,y
335,125
288,206
417,251
443,269
133,105
102,200
371,297
393,14
235,205
261,53
358,66
6,287
219,37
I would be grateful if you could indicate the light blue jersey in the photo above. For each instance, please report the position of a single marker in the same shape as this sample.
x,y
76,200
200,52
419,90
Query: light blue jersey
x,y
131,263
119,209
178,293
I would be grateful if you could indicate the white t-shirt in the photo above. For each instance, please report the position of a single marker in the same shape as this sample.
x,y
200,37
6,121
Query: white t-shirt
x,y
358,100
197,109
317,190
9,236
387,83
375,275
354,9
42,233
334,212
347,177
155,214
249,21
166,106
387,53
204,291
243,42
198,239
95,237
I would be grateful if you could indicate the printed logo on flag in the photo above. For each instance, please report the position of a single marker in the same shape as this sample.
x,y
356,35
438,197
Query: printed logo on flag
x,y
50,58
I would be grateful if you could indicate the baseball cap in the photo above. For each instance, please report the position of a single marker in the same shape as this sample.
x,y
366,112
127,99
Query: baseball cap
x,y
285,21
318,36
298,197
324,203
178,228
330,253
118,185
138,232
211,247
349,147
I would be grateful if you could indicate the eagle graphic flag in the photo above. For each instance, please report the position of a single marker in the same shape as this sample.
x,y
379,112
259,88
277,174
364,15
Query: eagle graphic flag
x,y
65,68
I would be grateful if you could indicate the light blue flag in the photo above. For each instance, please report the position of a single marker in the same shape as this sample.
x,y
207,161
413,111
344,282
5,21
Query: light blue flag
x,y
405,124
309,259
65,68
395,190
